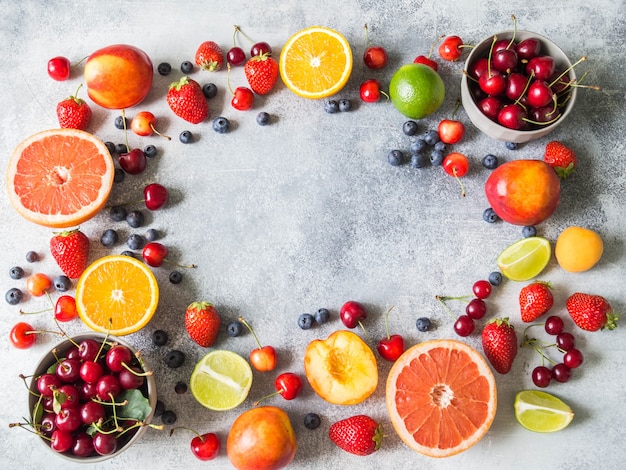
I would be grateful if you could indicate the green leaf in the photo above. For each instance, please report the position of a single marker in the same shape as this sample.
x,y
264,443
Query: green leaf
x,y
138,406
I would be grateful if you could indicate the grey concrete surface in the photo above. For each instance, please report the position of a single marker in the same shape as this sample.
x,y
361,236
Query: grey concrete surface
x,y
306,213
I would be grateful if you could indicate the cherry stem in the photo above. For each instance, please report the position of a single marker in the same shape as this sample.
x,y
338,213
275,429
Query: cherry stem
x,y
385,95
238,30
454,172
582,59
387,322
364,331
76,92
514,31
76,64
235,45
187,429
247,325
277,392
432,47
530,77
159,134
456,107
495,38
147,373
228,78
189,266
367,35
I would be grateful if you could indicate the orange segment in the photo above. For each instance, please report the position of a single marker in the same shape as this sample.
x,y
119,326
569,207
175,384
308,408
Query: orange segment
x,y
60,177
316,62
118,294
441,397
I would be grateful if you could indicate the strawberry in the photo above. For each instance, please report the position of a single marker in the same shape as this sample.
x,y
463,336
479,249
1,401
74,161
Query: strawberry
x,y
534,300
73,112
70,249
203,323
360,434
500,344
561,158
209,56
262,73
591,312
186,99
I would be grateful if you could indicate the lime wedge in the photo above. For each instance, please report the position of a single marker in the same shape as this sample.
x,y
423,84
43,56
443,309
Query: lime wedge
x,y
525,258
221,380
541,412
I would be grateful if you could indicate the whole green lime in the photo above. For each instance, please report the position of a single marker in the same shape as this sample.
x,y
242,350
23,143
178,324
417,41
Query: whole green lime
x,y
416,90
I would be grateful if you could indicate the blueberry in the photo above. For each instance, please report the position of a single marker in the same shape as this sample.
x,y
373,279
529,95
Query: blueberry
x,y
417,146
121,148
489,215
345,105
431,137
62,283
529,231
221,125
164,68
209,90
121,123
419,160
186,137
14,296
159,408
180,387
436,157
128,253
175,359
331,106
312,421
490,161
159,338
305,321
263,118
168,417
176,277
395,157
321,316
439,146
234,329
118,213
423,324
135,218
150,151
409,128
151,234
511,145
135,242
16,272
186,67
119,175
110,147
109,237
32,257
495,278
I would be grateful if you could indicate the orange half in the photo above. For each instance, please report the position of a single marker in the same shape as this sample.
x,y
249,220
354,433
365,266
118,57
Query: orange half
x,y
441,397
60,177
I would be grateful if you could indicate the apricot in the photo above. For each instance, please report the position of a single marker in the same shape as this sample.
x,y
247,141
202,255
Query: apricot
x,y
578,249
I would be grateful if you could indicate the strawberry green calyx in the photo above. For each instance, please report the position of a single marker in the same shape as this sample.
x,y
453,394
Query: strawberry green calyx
x,y
261,57
501,321
378,436
611,321
200,305
180,83
564,172
66,233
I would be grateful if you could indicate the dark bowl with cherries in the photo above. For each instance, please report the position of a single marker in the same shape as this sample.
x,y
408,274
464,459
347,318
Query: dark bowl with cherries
x,y
91,398
518,86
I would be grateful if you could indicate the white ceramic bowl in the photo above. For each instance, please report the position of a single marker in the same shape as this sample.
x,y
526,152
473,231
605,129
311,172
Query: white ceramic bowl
x,y
148,389
494,129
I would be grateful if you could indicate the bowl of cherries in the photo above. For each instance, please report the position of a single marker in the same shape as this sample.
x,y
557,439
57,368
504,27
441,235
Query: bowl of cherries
x,y
91,397
518,86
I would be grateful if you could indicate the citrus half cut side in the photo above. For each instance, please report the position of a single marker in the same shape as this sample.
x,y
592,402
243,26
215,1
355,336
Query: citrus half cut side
x,y
525,258
315,62
441,397
60,177
221,380
117,294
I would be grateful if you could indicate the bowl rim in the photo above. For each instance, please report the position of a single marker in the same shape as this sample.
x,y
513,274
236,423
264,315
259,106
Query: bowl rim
x,y
62,347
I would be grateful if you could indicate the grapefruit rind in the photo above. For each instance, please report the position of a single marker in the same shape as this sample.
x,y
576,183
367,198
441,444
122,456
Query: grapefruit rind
x,y
449,388
44,189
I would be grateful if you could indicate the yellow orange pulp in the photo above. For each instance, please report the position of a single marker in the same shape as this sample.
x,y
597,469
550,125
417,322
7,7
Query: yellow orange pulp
x,y
60,177
441,397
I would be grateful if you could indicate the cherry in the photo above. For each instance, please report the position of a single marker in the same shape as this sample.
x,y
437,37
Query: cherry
x,y
88,349
464,325
155,196
573,358
565,341
516,85
490,107
262,358
478,68
38,284
47,383
561,373
92,412
541,67
351,313
505,60
369,91
108,387
206,446
260,48
392,346
83,445
68,396
476,309
288,385
493,83
68,419
426,60
450,48
118,357
451,131
22,335
541,376
236,56
553,325
91,372
133,162
528,48
61,441
131,379
48,423
104,444
545,114
88,391
456,164
144,124
59,68
68,370
482,289
374,57
512,116
65,308
155,254
539,94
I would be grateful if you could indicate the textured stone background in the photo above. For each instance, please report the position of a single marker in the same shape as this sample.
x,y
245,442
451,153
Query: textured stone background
x,y
306,213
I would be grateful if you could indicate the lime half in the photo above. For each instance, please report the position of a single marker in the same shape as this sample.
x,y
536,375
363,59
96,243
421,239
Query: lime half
x,y
541,412
221,380
525,258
